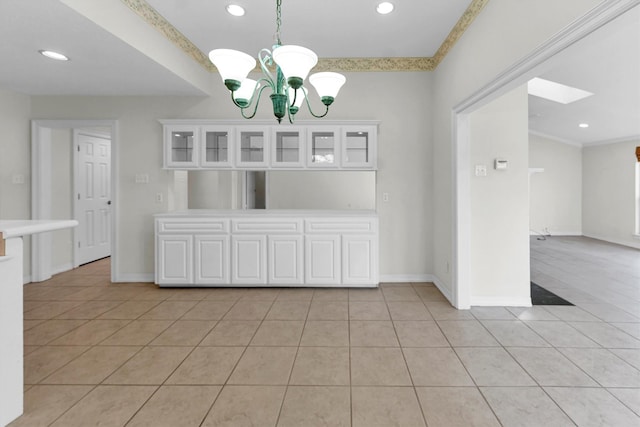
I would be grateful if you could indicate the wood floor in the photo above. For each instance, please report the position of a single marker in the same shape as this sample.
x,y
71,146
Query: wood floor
x,y
599,277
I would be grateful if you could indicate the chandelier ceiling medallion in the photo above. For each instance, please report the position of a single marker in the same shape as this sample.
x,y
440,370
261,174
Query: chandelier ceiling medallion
x,y
284,69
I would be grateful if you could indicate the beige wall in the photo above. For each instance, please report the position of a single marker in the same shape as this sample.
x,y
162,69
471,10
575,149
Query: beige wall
x,y
15,159
609,198
404,169
61,203
500,203
555,194
504,32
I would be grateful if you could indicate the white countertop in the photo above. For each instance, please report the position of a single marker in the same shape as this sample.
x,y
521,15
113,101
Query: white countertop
x,y
267,212
24,227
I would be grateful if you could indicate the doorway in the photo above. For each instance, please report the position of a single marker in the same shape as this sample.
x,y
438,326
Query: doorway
x,y
43,170
512,77
92,196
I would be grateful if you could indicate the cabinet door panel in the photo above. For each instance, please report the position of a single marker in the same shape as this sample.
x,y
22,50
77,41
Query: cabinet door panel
x,y
359,147
217,147
249,260
212,260
359,256
285,260
322,260
175,260
181,146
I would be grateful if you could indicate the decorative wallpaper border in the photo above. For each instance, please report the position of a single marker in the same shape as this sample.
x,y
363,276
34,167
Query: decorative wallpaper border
x,y
157,21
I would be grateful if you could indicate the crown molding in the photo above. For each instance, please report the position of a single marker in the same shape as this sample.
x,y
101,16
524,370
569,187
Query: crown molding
x,y
555,138
385,64
458,30
157,21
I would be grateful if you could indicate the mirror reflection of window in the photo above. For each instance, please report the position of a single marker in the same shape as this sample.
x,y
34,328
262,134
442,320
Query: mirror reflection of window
x,y
322,147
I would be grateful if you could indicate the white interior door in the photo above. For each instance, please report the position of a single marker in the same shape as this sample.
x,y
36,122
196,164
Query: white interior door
x,y
93,198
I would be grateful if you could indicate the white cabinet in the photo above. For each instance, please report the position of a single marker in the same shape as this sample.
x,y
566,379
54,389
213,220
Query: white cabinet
x,y
323,147
275,248
359,147
181,144
322,259
210,144
249,259
251,147
288,147
174,259
285,255
211,261
359,258
215,148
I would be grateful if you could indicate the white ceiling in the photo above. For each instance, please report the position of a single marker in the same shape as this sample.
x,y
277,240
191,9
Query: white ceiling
x,y
331,28
103,63
606,63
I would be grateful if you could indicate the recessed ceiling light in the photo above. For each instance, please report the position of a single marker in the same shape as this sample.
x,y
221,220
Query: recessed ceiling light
x,y
556,92
53,55
235,10
583,125
384,8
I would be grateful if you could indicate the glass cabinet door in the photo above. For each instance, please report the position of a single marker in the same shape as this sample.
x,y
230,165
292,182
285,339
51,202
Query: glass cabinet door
x,y
323,151
182,146
216,146
287,147
251,147
358,147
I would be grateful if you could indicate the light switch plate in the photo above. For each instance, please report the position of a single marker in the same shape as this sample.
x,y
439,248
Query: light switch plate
x,y
481,170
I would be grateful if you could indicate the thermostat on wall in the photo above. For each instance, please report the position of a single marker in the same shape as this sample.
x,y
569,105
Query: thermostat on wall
x,y
501,164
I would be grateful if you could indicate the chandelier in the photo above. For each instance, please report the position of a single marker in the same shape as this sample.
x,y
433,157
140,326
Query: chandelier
x,y
284,69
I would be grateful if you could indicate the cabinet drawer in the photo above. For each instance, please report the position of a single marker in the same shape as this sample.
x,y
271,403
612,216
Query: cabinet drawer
x,y
289,226
204,225
346,225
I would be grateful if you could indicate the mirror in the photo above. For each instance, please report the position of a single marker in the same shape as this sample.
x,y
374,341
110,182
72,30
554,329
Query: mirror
x,y
319,190
322,190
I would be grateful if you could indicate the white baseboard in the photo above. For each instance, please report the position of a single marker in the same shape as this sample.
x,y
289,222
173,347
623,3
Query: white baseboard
x,y
500,302
134,278
26,279
557,233
405,278
630,243
61,268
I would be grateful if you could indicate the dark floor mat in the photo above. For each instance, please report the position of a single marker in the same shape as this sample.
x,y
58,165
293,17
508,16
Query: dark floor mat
x,y
541,296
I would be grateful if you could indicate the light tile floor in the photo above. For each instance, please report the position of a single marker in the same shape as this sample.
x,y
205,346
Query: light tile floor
x,y
133,354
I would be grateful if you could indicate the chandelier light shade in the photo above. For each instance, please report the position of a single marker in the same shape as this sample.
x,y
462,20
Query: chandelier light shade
x,y
295,63
327,84
233,66
284,70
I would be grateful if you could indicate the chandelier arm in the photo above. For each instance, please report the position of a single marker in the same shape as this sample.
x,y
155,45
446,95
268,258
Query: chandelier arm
x,y
255,107
264,61
306,99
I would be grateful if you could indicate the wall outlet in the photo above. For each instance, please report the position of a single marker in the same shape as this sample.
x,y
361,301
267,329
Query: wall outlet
x,y
385,197
159,198
142,178
481,170
17,178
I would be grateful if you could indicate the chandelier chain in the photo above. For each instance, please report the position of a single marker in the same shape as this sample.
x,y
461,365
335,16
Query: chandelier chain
x,y
278,21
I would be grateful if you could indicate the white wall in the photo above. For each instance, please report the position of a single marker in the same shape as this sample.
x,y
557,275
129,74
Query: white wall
x,y
404,168
61,203
15,160
500,203
556,193
609,192
504,32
